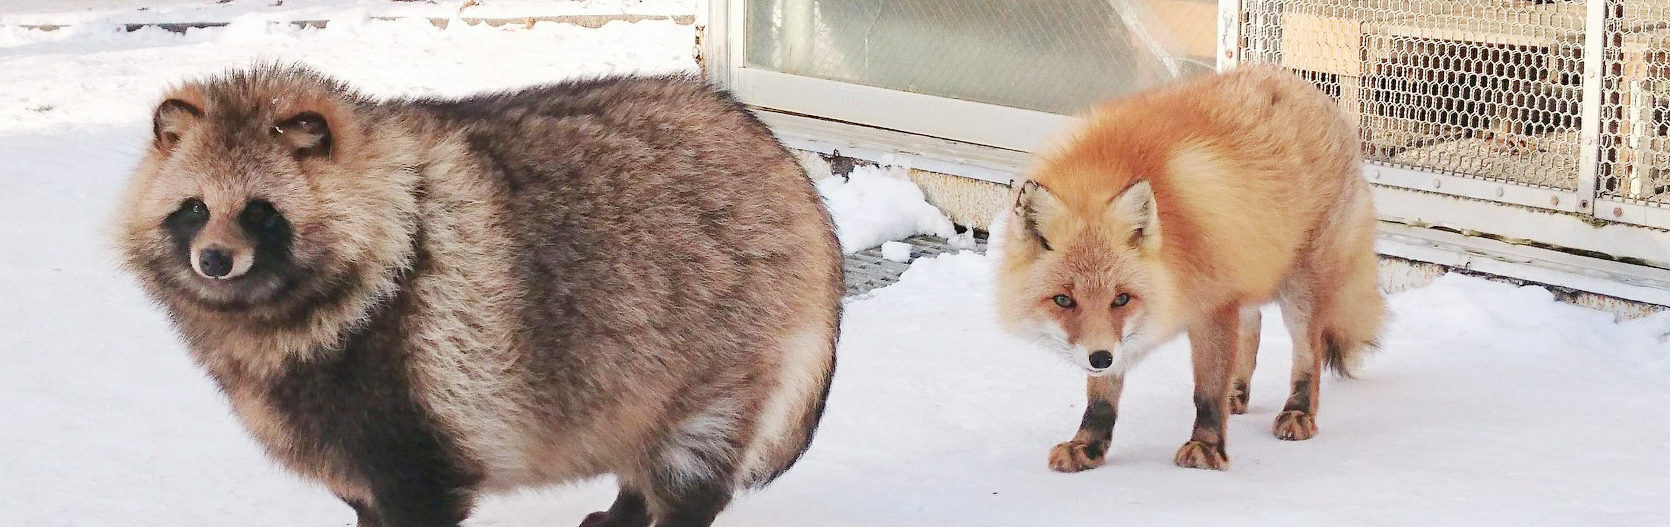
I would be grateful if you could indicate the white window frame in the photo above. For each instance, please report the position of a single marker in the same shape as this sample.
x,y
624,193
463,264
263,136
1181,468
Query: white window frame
x,y
994,143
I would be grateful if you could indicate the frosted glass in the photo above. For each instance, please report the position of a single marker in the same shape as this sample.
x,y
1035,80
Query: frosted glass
x,y
1054,56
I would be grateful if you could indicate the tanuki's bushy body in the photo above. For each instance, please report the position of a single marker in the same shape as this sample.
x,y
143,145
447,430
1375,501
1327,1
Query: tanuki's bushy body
x,y
1182,210
418,301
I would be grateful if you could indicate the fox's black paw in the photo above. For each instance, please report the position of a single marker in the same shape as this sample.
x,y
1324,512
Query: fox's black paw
x,y
1295,425
1200,454
1076,456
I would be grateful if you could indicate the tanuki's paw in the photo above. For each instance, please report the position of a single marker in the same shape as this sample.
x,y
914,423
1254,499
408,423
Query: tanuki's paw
x,y
606,519
1294,425
1200,454
1075,456
1238,397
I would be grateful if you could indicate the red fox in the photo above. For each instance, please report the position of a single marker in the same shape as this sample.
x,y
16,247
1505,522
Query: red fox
x,y
1181,210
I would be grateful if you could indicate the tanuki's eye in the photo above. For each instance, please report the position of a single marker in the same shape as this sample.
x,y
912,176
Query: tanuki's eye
x,y
195,207
1066,302
261,219
1121,300
262,214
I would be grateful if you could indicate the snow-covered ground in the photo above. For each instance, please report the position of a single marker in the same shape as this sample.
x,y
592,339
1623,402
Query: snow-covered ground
x,y
1489,404
63,12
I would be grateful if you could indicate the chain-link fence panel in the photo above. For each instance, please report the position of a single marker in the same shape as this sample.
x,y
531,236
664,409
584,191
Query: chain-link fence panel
x,y
1488,89
1635,109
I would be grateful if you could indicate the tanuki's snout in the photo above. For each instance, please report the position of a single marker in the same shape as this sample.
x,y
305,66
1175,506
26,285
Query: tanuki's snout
x,y
220,262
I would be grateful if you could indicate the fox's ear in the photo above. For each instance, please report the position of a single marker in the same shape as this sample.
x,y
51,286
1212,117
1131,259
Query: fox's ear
x,y
1135,207
1032,202
171,120
306,133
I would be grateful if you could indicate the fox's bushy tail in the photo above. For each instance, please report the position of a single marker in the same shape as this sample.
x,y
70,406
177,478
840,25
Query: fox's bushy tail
x,y
1354,319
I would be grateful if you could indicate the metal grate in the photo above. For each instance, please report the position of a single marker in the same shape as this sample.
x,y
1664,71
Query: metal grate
x,y
1635,111
1058,56
1487,89
866,270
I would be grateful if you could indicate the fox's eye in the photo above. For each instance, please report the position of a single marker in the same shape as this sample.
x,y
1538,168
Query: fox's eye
x,y
1066,302
1121,300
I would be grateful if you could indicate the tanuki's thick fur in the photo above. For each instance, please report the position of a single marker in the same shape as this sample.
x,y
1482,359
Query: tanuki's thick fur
x,y
1183,209
419,301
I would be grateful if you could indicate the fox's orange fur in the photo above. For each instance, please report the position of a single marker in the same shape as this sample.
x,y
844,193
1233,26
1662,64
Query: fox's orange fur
x,y
1182,210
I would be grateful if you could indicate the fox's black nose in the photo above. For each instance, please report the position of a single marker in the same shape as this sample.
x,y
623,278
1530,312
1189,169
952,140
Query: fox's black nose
x,y
1101,359
214,263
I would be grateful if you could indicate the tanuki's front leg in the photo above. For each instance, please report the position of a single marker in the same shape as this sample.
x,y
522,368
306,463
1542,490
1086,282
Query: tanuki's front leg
x,y
1089,446
1214,342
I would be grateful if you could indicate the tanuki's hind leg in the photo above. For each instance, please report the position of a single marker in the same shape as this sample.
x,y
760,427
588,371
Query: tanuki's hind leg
x,y
629,510
672,500
1246,357
690,479
693,503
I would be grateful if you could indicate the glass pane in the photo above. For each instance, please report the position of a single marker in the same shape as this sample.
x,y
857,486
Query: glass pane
x,y
1057,56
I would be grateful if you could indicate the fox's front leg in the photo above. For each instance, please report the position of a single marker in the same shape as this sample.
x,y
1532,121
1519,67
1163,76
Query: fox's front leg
x,y
1246,358
1089,446
1214,342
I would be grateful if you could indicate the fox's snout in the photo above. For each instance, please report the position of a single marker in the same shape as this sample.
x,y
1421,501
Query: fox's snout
x,y
1097,361
1101,359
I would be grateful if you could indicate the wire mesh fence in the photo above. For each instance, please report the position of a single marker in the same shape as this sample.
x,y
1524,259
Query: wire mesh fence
x,y
1486,89
1635,110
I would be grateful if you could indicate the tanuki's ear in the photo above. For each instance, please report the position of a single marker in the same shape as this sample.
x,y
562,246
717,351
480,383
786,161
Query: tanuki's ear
x,y
1033,202
172,119
1135,207
307,134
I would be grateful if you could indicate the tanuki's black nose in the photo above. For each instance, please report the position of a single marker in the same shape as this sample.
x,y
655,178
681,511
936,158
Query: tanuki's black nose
x,y
214,263
1101,359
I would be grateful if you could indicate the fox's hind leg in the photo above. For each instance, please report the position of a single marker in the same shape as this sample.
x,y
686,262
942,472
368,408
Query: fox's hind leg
x,y
1214,342
1333,306
1089,446
1246,357
1297,420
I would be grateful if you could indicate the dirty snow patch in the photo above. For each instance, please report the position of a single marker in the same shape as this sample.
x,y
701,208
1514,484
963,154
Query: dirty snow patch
x,y
873,205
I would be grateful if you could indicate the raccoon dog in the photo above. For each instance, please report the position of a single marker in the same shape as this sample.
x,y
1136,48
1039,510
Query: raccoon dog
x,y
1182,210
416,302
